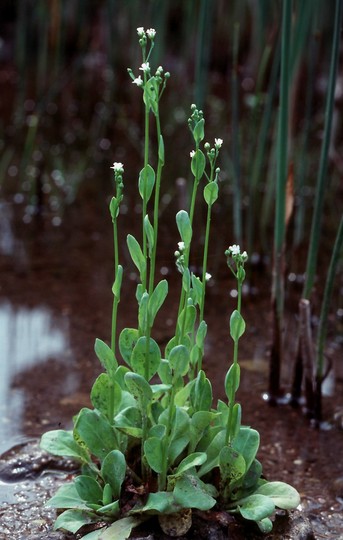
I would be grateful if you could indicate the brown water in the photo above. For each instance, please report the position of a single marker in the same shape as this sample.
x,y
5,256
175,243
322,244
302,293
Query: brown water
x,y
55,300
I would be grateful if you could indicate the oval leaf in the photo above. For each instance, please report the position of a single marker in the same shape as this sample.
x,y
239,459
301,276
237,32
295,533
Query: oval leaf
x,y
146,182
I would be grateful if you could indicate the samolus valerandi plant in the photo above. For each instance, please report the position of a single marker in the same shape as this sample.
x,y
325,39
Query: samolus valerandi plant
x,y
154,442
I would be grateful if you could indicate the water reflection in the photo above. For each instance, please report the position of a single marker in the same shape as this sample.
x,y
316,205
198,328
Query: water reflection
x,y
27,337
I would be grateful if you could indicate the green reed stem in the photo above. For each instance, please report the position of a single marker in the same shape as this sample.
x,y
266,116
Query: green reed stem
x,y
322,329
237,207
321,179
282,158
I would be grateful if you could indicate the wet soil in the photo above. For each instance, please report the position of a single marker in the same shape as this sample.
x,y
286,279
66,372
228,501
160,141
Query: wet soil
x,y
67,272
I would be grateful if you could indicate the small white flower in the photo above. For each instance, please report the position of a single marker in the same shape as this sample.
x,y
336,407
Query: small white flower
x,y
151,33
235,249
181,246
192,153
140,31
218,143
208,276
145,67
244,256
118,167
138,80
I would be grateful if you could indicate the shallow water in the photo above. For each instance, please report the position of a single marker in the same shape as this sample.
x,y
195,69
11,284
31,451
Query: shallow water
x,y
55,300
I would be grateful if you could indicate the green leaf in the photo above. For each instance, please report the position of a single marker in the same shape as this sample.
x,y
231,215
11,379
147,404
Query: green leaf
x,y
190,492
232,380
150,94
114,207
232,465
179,360
173,341
117,283
213,452
62,443
112,509
67,497
156,299
106,356
127,341
73,520
146,182
153,451
211,193
192,460
121,529
164,372
187,318
161,150
180,434
198,164
149,233
199,131
201,393
235,420
101,394
265,525
140,389
200,421
253,475
113,470
143,319
136,255
94,535
129,421
146,357
256,507
201,334
237,325
186,280
95,432
283,495
197,289
247,443
107,496
161,502
184,226
88,489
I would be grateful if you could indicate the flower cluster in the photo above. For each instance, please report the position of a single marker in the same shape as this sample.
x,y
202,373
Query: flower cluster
x,y
236,260
180,257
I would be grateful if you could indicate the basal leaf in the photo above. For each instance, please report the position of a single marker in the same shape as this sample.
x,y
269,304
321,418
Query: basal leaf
x,y
161,502
88,489
96,432
113,470
190,492
121,529
192,460
62,443
67,497
247,443
213,452
256,507
153,451
283,495
73,520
